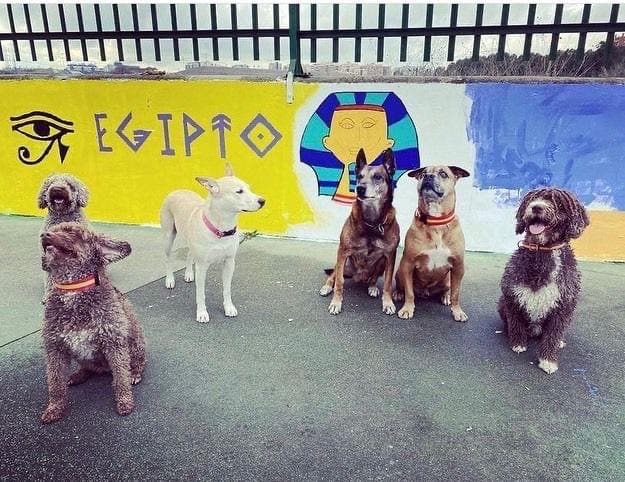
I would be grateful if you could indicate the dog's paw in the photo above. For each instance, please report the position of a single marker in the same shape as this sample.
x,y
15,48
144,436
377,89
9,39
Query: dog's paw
x,y
170,282
373,291
335,307
406,312
135,379
458,314
230,310
124,407
547,366
519,348
79,377
562,344
202,316
53,413
388,307
398,296
446,299
325,290
189,276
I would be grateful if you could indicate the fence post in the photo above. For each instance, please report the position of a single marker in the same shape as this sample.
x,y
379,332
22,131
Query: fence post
x,y
294,48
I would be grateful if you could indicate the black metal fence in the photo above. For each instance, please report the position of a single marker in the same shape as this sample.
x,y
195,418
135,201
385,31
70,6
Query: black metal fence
x,y
17,33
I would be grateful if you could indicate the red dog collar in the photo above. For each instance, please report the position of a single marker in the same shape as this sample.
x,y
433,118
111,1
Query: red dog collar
x,y
80,285
538,247
211,227
436,220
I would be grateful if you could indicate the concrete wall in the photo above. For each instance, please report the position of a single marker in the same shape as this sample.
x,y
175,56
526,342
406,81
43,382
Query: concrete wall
x,y
134,141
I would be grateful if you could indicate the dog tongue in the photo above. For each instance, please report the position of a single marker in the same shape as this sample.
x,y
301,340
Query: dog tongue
x,y
537,228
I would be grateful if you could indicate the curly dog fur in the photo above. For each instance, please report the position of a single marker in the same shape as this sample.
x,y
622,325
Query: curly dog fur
x,y
95,326
64,196
541,282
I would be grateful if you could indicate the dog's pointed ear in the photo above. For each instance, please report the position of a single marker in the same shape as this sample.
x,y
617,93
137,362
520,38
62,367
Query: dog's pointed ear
x,y
82,193
361,160
229,170
112,249
389,162
41,197
209,183
417,172
459,172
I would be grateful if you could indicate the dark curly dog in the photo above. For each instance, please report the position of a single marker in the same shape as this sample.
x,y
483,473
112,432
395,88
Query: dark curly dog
x,y
64,196
541,282
86,318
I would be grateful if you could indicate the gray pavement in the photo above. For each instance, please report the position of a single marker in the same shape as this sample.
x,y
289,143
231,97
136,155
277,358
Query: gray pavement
x,y
287,391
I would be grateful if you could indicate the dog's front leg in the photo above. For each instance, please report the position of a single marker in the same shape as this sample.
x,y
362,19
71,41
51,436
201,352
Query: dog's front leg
x,y
457,273
201,267
57,365
336,305
388,306
226,279
552,342
119,362
405,274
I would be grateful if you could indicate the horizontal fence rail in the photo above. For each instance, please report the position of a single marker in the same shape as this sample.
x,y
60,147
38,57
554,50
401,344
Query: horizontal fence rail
x,y
12,32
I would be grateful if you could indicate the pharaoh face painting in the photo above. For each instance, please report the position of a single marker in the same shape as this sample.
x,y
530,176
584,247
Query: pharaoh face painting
x,y
344,123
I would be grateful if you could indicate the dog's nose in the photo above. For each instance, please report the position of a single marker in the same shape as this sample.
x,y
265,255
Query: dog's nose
x,y
261,201
537,209
361,190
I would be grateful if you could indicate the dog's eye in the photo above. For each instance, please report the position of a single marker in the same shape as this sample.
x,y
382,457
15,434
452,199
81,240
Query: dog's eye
x,y
443,174
359,176
377,177
239,191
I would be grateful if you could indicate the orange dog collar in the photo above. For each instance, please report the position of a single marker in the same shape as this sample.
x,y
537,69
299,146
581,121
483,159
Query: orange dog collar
x,y
436,220
80,285
538,247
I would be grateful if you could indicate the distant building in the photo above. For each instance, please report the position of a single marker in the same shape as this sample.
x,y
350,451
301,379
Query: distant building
x,y
82,68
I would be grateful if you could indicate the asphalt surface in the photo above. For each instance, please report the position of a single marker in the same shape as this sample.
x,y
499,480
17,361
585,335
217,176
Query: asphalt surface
x,y
287,391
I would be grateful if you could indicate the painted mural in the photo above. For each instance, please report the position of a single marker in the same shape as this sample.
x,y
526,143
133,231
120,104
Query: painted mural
x,y
345,122
132,142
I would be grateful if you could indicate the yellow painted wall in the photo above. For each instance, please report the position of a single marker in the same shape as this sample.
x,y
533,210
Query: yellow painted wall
x,y
129,186
604,239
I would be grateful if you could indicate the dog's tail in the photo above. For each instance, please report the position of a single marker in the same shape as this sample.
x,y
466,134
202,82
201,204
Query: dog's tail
x,y
329,271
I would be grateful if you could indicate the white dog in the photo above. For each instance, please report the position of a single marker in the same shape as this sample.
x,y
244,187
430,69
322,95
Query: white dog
x,y
209,228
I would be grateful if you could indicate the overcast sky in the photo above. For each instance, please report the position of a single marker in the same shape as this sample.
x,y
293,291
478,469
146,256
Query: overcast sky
x,y
464,45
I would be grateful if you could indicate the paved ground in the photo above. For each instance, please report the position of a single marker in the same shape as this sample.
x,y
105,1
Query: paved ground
x,y
287,391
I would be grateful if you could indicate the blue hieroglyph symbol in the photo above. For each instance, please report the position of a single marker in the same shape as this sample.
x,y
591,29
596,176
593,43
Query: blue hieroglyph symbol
x,y
139,135
260,135
220,123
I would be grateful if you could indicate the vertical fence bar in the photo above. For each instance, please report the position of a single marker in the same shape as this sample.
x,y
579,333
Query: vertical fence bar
x,y
581,42
453,22
213,10
294,47
135,26
235,40
555,36
477,39
381,14
157,44
174,27
120,46
194,40
46,29
68,55
276,26
98,23
501,48
427,41
335,26
358,43
403,42
29,29
12,27
609,40
81,29
255,46
527,46
313,26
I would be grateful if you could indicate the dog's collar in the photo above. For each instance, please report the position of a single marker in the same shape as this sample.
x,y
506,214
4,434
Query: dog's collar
x,y
80,285
436,220
378,227
537,247
211,227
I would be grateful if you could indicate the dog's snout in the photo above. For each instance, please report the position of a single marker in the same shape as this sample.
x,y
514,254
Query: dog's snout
x,y
361,191
537,209
261,201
